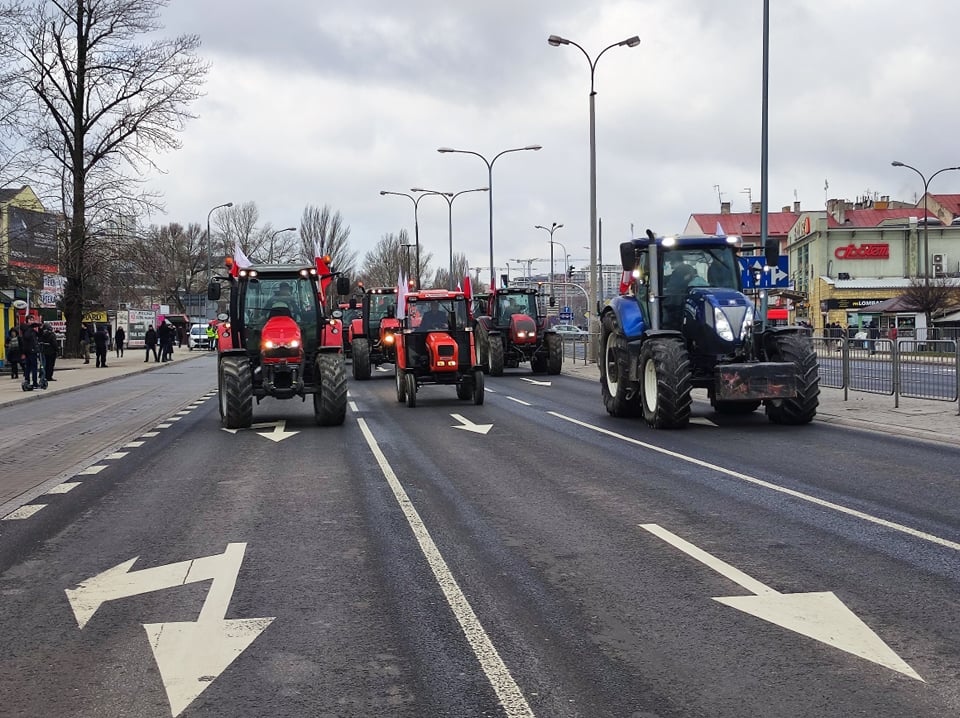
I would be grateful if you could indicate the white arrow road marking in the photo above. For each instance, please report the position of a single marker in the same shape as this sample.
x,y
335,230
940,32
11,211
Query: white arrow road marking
x,y
468,425
278,434
820,615
702,421
535,382
189,654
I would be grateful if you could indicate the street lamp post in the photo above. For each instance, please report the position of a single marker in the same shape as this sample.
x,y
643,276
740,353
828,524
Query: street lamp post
x,y
551,229
489,164
556,41
285,229
209,272
408,247
416,224
926,219
450,196
567,256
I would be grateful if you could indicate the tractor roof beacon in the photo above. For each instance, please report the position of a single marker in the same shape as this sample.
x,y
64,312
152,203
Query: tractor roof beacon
x,y
512,328
280,341
435,345
682,321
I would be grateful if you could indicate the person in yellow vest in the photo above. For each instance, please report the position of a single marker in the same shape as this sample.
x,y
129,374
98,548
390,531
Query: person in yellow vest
x,y
211,337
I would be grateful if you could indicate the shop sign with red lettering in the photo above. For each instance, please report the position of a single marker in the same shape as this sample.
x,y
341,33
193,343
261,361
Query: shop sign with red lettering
x,y
864,251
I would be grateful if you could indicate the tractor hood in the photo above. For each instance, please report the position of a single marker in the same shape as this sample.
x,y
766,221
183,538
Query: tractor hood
x,y
523,329
717,319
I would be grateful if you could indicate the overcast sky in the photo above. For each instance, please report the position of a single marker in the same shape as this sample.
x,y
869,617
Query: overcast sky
x,y
318,102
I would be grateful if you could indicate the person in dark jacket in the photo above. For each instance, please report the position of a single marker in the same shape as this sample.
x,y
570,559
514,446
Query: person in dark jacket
x,y
13,352
150,340
50,349
100,341
119,337
29,352
163,336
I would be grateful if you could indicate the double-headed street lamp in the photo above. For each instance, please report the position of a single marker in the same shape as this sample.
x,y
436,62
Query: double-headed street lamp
x,y
416,224
551,229
285,229
209,273
926,219
556,41
450,196
489,164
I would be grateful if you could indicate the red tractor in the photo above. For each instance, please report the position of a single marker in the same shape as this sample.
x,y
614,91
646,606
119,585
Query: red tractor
x,y
279,342
435,346
511,328
373,333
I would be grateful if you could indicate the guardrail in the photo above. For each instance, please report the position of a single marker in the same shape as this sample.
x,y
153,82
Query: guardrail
x,y
918,369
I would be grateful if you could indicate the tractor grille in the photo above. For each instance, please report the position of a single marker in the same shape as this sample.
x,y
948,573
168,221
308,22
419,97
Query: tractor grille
x,y
445,350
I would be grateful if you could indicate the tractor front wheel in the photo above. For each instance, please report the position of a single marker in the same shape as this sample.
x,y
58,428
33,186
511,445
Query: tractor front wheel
x,y
236,392
478,387
465,387
401,386
495,355
615,371
330,399
411,389
361,358
554,343
802,408
665,383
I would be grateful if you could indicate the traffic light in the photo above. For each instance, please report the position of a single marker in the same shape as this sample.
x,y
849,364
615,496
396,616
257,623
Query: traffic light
x,y
570,272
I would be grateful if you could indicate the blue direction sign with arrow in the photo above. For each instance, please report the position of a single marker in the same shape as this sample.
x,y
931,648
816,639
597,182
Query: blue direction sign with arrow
x,y
566,314
778,276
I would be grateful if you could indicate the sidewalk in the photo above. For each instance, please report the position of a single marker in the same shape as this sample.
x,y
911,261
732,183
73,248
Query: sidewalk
x,y
935,421
70,374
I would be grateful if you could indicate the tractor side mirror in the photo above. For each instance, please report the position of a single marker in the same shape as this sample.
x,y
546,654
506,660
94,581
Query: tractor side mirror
x,y
771,251
343,285
213,291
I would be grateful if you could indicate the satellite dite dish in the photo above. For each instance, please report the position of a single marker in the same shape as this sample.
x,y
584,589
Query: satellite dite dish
x,y
19,304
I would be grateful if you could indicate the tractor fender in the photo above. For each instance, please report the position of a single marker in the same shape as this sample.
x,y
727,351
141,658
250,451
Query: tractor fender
x,y
629,316
356,329
331,339
488,326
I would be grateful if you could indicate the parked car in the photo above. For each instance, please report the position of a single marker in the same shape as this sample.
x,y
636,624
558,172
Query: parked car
x,y
569,330
197,339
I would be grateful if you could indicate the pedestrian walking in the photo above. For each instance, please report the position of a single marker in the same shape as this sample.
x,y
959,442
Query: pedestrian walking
x,y
86,337
150,341
49,349
119,337
29,355
13,352
100,340
163,337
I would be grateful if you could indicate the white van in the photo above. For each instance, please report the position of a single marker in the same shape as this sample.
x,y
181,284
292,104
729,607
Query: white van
x,y
198,337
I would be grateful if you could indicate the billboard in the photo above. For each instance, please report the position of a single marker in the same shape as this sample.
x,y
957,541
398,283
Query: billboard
x,y
33,239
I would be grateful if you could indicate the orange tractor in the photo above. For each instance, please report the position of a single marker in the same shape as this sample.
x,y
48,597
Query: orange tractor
x,y
435,345
373,334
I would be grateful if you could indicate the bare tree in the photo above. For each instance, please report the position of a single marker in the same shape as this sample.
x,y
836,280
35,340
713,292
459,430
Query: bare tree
x,y
461,266
169,260
14,153
322,229
941,293
107,100
238,224
391,254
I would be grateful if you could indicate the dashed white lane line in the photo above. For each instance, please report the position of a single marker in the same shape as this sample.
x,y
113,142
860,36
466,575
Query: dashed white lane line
x,y
64,487
91,470
519,401
24,512
183,413
115,455
164,425
174,418
773,487
511,698
149,434
353,407
134,444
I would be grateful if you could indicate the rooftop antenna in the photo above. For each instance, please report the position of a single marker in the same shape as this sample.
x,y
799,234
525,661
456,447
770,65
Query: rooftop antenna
x,y
749,192
719,198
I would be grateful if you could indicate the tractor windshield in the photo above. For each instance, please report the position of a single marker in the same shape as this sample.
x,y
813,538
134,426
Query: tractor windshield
x,y
431,315
268,297
509,304
685,267
381,306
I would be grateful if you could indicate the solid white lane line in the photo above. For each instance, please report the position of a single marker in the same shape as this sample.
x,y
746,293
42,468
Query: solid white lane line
x,y
511,698
64,487
24,512
773,487
519,401
353,406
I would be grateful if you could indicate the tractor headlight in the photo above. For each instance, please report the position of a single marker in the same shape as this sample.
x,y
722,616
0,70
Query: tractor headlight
x,y
268,344
747,324
722,324
388,338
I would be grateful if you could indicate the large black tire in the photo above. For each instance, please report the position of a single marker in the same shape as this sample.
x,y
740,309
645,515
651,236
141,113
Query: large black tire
x,y
478,387
401,386
465,388
538,363
482,342
330,399
495,354
236,392
735,407
665,383
554,344
361,358
614,371
411,389
802,408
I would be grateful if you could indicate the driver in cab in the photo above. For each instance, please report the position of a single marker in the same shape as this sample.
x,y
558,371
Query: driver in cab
x,y
434,319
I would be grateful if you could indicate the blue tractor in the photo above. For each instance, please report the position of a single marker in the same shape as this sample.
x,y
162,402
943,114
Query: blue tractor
x,y
683,322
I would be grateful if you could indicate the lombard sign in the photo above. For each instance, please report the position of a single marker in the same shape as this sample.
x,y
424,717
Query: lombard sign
x,y
863,251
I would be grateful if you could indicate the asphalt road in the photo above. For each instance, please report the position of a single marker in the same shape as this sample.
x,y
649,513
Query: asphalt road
x,y
561,564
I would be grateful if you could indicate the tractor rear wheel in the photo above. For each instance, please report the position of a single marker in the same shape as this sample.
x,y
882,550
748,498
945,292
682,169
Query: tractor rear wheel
x,y
665,383
411,389
236,392
802,408
615,371
401,386
361,358
478,387
554,344
495,355
330,399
